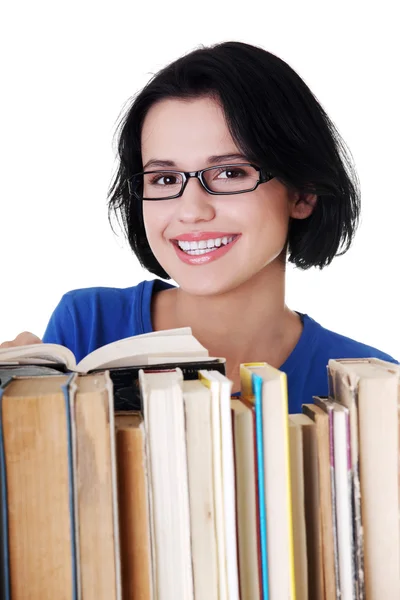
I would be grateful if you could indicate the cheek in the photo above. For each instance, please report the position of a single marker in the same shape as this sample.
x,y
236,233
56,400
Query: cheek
x,y
267,216
155,218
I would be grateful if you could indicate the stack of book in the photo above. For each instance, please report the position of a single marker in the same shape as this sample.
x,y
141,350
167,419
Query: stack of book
x,y
136,475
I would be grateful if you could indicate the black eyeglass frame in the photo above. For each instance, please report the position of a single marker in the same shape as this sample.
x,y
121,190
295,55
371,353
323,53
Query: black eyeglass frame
x,y
264,177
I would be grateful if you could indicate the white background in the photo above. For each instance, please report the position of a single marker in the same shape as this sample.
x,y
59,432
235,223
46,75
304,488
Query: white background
x,y
69,68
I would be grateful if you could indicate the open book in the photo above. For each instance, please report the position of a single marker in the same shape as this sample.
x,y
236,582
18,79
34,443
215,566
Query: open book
x,y
169,346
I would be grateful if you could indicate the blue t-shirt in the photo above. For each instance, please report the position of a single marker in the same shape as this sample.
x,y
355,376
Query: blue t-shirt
x,y
89,318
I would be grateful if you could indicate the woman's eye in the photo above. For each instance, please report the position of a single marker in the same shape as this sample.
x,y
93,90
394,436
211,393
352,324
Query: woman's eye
x,y
230,173
165,180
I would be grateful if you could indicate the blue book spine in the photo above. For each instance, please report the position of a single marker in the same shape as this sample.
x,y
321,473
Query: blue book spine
x,y
5,589
257,392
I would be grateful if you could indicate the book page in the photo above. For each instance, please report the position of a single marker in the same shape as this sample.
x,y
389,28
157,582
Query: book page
x,y
38,354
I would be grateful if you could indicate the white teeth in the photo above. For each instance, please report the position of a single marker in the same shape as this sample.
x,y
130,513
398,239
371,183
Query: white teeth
x,y
204,246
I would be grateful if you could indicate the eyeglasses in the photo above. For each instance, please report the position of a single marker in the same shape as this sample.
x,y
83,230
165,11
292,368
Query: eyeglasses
x,y
222,180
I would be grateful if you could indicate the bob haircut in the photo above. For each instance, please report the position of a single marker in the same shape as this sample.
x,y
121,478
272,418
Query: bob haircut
x,y
276,121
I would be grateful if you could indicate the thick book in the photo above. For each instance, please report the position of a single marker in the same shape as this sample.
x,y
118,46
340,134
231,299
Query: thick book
x,y
343,391
38,511
270,391
369,388
94,475
168,486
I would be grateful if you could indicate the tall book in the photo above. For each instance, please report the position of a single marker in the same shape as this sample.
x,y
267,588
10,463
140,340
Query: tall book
x,y
37,489
369,388
270,389
165,438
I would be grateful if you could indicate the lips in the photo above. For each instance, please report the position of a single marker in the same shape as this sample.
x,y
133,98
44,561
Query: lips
x,y
203,256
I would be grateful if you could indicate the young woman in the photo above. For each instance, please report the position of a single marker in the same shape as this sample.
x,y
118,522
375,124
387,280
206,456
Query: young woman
x,y
228,167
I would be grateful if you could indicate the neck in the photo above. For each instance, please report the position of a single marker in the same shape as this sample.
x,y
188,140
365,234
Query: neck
x,y
247,324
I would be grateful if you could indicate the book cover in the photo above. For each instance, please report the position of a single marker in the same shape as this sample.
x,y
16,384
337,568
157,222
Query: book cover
x,y
377,387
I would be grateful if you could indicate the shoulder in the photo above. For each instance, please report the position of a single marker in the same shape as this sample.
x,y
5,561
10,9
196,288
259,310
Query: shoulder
x,y
109,298
330,344
102,296
88,318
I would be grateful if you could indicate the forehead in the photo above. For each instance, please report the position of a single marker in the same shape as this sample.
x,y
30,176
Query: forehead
x,y
185,131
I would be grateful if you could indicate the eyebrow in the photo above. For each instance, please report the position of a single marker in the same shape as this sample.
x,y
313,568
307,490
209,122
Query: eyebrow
x,y
212,160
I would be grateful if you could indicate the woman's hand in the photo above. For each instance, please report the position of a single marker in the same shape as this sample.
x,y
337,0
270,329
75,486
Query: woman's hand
x,y
23,339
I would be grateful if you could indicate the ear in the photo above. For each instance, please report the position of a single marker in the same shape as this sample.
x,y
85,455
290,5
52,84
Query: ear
x,y
302,205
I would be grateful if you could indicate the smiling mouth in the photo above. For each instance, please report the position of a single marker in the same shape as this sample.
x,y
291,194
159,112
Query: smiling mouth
x,y
204,246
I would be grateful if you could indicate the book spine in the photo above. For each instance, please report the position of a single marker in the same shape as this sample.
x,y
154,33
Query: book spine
x,y
74,542
257,388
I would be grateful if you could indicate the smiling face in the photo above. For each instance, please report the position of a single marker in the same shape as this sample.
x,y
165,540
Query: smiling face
x,y
249,230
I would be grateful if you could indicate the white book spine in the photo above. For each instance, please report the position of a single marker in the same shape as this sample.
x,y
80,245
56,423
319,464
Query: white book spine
x,y
343,504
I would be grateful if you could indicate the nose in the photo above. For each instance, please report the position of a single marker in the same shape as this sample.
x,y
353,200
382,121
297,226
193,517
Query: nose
x,y
195,204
